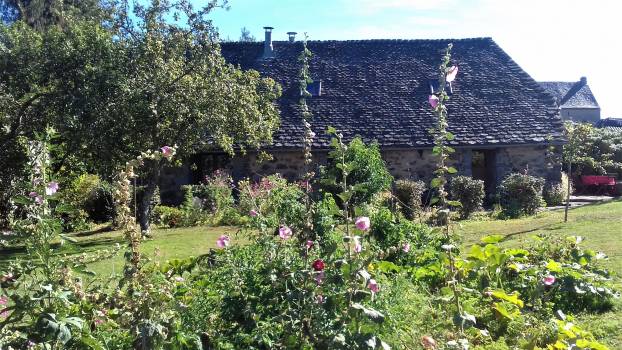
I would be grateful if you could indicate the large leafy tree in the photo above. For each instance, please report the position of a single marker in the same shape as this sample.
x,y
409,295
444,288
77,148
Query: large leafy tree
x,y
154,77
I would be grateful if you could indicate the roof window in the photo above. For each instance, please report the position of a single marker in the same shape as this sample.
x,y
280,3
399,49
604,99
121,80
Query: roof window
x,y
434,87
315,88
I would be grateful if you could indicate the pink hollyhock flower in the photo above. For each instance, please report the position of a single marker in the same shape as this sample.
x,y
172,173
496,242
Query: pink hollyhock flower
x,y
30,344
362,223
51,188
433,101
319,277
309,244
373,286
179,279
548,280
37,198
98,321
319,299
318,265
428,342
406,247
223,241
252,213
3,300
167,151
358,247
285,232
451,74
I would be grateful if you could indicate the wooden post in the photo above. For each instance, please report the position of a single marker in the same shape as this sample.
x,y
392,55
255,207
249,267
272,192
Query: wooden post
x,y
568,189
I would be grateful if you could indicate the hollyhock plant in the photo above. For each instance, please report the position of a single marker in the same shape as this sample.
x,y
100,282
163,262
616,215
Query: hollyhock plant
x,y
433,101
548,280
318,265
252,213
51,188
223,241
167,151
36,197
358,247
428,342
406,247
319,277
373,286
309,245
451,74
285,232
362,223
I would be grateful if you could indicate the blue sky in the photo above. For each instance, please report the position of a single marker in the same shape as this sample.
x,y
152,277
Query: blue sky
x,y
551,39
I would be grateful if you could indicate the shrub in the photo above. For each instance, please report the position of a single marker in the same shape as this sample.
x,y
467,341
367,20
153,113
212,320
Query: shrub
x,y
367,172
275,200
100,204
168,216
469,192
520,194
409,193
555,193
215,192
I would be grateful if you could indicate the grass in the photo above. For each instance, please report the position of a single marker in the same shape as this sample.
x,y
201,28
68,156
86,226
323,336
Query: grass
x,y
166,244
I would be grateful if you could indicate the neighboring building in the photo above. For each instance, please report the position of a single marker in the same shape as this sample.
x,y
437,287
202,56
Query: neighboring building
x,y
574,99
503,121
614,124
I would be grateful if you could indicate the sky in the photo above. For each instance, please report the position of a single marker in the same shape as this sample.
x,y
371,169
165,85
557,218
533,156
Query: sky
x,y
553,40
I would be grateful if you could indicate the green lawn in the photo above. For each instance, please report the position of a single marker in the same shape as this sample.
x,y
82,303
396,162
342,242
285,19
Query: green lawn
x,y
169,243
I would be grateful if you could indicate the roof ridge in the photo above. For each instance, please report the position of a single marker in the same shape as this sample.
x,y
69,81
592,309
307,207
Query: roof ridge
x,y
367,40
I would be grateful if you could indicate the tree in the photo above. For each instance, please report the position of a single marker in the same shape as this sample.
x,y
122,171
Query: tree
x,y
41,14
246,36
142,83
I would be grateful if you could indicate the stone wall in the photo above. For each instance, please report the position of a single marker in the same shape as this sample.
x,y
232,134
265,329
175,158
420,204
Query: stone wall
x,y
587,115
403,164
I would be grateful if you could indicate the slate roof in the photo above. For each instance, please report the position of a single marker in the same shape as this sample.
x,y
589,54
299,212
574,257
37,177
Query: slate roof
x,y
614,124
571,94
378,89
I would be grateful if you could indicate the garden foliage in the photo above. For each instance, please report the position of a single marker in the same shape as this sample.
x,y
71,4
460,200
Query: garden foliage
x,y
365,169
469,192
520,194
409,193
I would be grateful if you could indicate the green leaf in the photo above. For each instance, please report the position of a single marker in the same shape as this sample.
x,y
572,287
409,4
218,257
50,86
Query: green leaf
x,y
492,239
512,298
434,200
452,170
553,266
345,196
454,203
436,182
331,131
449,136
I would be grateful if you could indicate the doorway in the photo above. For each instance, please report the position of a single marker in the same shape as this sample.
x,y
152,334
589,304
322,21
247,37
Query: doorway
x,y
484,167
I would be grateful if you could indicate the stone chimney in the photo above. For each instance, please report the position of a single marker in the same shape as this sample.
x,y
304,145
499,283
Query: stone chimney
x,y
583,80
268,50
292,36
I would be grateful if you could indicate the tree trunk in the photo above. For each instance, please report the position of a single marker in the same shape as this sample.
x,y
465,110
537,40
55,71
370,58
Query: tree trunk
x,y
144,202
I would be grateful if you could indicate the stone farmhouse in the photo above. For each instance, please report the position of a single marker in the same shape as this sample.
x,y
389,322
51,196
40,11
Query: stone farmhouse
x,y
502,119
574,100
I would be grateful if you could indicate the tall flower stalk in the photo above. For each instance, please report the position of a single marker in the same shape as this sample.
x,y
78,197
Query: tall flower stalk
x,y
442,152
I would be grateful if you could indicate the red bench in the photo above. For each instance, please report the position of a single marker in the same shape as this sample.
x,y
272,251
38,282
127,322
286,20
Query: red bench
x,y
599,183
